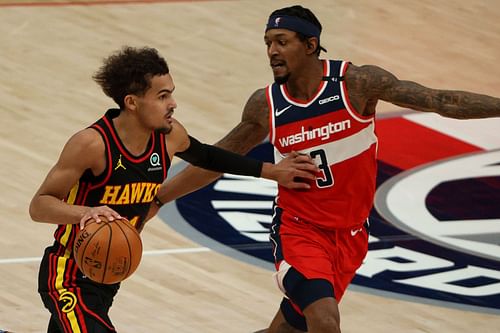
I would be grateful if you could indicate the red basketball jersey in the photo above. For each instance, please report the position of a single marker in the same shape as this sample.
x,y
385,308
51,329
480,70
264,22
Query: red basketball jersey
x,y
342,143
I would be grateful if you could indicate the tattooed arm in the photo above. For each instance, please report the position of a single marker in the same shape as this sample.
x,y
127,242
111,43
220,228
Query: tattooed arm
x,y
253,127
367,84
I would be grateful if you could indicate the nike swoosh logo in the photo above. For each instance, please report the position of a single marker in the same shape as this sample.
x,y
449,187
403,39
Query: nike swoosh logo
x,y
354,232
279,112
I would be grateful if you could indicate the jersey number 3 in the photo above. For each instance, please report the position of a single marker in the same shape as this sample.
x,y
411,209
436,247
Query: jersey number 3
x,y
327,179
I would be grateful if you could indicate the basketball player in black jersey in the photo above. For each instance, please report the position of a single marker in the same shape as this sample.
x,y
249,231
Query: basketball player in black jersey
x,y
113,169
292,38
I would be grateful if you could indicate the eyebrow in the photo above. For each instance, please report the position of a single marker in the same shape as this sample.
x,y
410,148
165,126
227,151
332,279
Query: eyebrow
x,y
166,90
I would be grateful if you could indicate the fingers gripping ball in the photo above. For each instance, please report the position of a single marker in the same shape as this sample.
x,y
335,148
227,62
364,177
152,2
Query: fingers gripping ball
x,y
108,252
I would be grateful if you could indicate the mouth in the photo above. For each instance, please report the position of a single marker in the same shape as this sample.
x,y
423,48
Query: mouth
x,y
168,117
277,64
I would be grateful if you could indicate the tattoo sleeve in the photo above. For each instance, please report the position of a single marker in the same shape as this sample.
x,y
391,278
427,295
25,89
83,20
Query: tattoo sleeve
x,y
252,129
383,85
448,103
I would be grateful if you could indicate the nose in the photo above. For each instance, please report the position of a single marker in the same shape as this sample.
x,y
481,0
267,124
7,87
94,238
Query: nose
x,y
272,50
172,104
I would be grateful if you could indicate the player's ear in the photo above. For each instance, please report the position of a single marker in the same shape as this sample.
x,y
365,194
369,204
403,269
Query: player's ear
x,y
130,102
311,45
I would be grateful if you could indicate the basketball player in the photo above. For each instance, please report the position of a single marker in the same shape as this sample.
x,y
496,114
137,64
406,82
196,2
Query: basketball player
x,y
114,168
325,109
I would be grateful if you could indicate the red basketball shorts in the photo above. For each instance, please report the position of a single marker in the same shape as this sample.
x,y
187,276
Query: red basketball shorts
x,y
332,255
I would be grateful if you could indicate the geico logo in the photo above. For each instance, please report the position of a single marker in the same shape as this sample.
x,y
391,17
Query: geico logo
x,y
329,99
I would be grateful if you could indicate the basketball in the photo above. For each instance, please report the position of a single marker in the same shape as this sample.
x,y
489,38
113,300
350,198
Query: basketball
x,y
108,252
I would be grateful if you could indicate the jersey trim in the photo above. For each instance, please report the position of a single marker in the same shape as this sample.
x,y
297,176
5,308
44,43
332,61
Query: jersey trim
x,y
83,193
270,105
345,97
319,91
109,166
164,156
73,194
124,150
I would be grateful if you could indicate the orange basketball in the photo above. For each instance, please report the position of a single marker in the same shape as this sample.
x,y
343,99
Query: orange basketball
x,y
108,252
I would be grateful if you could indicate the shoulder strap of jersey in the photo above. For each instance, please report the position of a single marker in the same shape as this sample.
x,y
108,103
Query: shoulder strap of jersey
x,y
101,128
162,147
337,70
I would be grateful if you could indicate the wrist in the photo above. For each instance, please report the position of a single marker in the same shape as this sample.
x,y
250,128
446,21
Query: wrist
x,y
157,201
267,171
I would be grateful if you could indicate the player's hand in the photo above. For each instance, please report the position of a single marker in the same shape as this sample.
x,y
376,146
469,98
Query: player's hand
x,y
96,213
295,171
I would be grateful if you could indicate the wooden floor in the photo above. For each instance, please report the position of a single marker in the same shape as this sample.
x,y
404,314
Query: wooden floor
x,y
48,53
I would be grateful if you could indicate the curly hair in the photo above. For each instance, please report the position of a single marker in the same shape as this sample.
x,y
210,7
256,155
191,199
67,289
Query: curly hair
x,y
129,71
303,13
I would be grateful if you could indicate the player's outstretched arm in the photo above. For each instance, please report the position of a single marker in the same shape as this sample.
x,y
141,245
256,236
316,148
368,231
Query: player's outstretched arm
x,y
220,160
286,172
380,84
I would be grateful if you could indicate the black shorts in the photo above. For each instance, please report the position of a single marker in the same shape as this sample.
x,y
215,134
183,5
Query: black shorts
x,y
75,302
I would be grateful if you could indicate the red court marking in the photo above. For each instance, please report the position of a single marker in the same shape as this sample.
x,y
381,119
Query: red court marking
x,y
405,144
90,3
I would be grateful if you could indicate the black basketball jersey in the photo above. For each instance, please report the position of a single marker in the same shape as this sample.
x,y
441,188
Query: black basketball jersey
x,y
128,183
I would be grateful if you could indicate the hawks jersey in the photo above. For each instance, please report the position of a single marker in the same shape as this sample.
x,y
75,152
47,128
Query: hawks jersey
x,y
342,143
128,183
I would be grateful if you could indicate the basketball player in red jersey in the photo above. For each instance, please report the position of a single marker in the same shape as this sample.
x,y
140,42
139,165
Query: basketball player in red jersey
x,y
324,109
114,169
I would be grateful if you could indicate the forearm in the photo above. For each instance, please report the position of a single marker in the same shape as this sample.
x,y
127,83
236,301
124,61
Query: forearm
x,y
49,209
466,105
188,180
193,178
220,160
448,103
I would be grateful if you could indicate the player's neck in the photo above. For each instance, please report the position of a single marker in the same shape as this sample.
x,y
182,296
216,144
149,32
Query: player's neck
x,y
134,137
304,84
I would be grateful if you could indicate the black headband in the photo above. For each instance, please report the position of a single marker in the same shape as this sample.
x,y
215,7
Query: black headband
x,y
294,23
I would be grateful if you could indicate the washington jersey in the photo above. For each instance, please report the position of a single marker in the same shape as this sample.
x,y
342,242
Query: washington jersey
x,y
128,183
342,143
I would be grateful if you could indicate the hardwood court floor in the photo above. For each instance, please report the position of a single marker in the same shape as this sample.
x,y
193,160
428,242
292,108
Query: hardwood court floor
x,y
48,52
